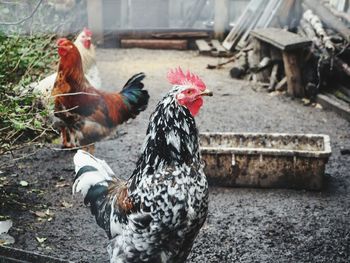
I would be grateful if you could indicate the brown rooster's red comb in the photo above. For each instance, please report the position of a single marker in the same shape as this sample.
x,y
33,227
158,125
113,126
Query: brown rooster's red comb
x,y
87,32
178,77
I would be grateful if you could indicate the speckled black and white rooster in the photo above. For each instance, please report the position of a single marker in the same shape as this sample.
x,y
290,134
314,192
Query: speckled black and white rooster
x,y
156,214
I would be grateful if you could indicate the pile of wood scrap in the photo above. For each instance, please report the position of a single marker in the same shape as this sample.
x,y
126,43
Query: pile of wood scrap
x,y
302,47
259,14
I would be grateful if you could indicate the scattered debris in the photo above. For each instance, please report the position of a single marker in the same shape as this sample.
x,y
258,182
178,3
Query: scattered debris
x,y
23,183
5,238
41,239
44,215
66,204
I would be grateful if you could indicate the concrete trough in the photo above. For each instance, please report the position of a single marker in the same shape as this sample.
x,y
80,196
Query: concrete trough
x,y
265,160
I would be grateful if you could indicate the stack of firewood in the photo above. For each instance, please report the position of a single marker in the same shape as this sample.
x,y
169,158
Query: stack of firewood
x,y
323,63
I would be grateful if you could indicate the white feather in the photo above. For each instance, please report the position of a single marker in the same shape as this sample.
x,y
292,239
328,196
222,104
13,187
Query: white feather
x,y
82,158
88,179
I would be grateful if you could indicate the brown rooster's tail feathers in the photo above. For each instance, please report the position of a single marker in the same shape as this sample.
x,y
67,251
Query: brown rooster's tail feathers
x,y
134,96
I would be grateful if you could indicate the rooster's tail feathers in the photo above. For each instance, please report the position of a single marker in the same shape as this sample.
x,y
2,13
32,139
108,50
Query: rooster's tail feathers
x,y
95,179
90,171
134,95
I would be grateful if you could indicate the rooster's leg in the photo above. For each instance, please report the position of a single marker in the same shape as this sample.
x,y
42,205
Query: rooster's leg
x,y
68,138
64,137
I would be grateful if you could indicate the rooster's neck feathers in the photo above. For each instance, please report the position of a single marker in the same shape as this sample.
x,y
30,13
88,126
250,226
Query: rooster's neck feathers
x,y
71,66
171,139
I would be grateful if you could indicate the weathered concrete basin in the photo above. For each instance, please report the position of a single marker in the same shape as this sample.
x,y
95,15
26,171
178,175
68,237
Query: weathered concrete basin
x,y
265,160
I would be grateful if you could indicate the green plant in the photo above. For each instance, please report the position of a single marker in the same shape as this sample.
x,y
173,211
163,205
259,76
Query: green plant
x,y
24,59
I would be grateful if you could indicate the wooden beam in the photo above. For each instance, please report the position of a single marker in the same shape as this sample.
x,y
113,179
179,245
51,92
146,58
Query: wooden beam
x,y
154,43
95,19
293,74
330,102
328,18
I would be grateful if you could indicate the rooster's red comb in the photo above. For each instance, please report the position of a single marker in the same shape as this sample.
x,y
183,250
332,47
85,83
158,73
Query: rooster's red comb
x,y
178,77
87,32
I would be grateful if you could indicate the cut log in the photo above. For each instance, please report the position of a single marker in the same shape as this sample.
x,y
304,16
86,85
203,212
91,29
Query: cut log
x,y
154,44
328,18
316,24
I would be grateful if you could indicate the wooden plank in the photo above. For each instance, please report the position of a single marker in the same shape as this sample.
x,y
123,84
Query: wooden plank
x,y
203,47
264,18
154,44
328,18
281,39
181,35
293,74
243,23
162,33
95,19
216,45
330,102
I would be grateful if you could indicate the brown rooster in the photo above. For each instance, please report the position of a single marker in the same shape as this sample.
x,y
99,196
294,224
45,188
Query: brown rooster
x,y
88,114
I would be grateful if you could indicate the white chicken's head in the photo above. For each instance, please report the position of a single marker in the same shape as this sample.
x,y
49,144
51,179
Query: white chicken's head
x,y
190,89
85,37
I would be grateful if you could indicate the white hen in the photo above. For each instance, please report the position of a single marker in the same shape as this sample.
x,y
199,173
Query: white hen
x,y
87,52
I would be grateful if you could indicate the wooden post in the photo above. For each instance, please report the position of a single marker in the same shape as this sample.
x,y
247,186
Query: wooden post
x,y
95,19
291,68
221,18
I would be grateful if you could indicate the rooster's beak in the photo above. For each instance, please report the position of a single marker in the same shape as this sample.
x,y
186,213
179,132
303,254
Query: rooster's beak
x,y
206,92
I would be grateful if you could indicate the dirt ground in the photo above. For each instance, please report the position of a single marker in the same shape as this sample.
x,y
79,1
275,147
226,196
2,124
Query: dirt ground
x,y
244,225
